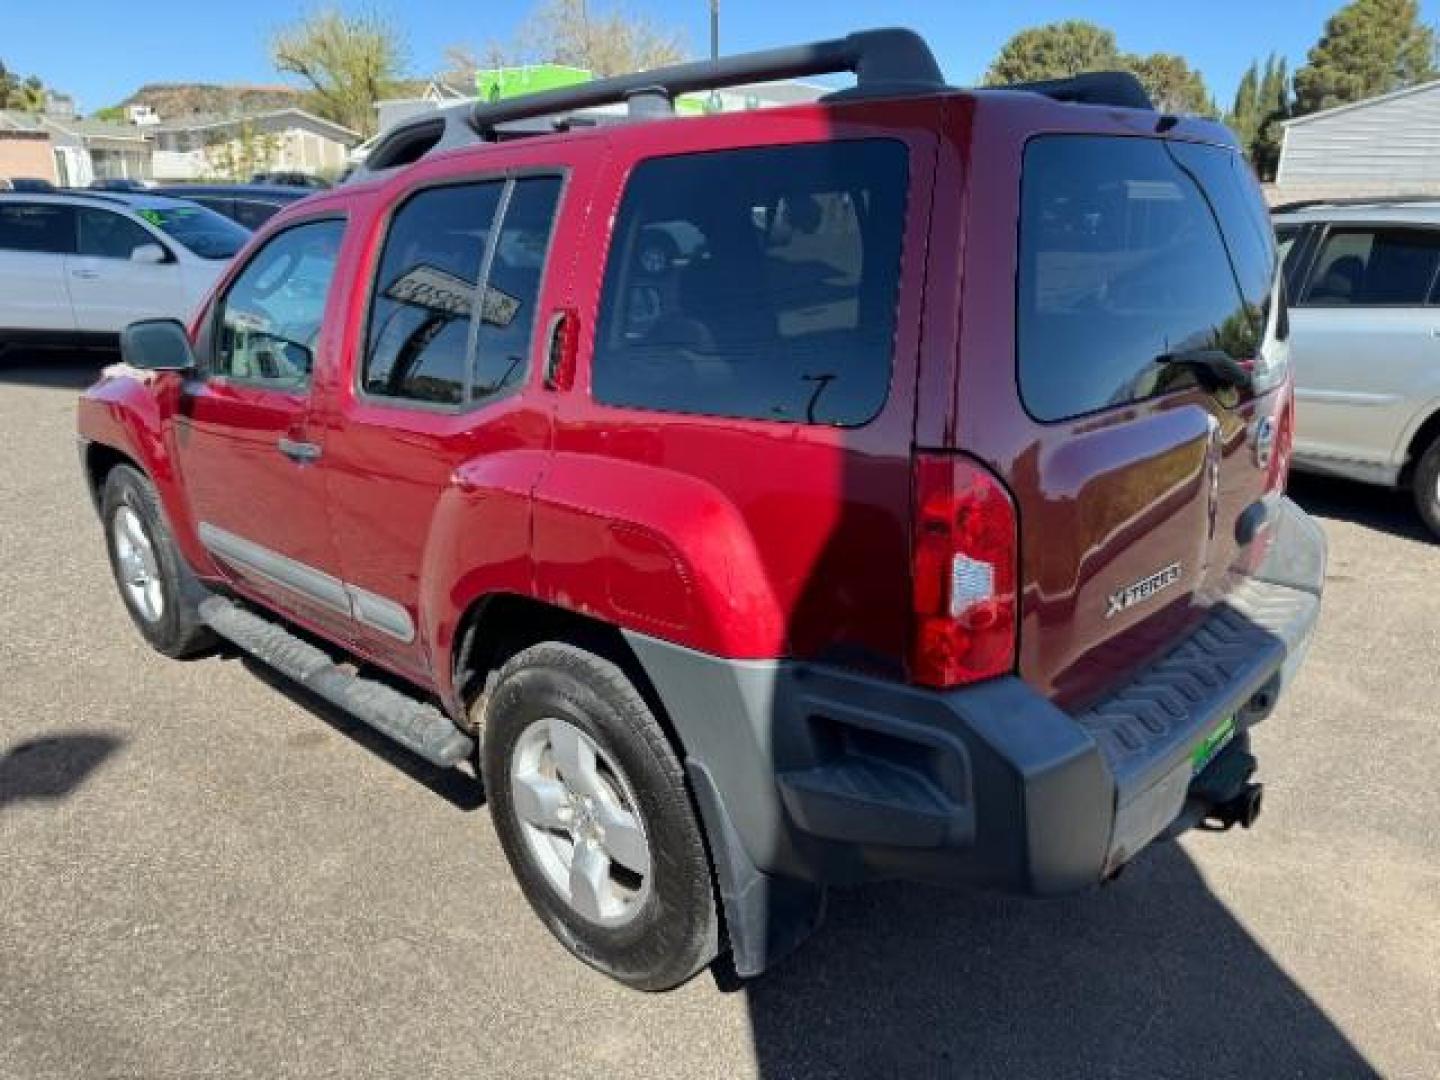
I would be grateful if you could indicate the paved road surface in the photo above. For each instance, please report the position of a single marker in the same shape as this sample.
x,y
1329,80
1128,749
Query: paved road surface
x,y
204,875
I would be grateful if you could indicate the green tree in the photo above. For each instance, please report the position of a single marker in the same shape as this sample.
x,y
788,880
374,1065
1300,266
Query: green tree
x,y
1055,51
350,63
1262,103
1369,47
16,92
32,94
1173,85
8,83
1274,106
1060,50
1244,115
240,155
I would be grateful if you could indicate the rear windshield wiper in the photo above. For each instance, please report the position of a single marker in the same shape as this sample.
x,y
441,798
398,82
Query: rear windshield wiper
x,y
1214,367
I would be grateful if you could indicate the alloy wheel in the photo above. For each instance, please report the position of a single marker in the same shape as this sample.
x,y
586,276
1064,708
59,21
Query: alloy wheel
x,y
581,822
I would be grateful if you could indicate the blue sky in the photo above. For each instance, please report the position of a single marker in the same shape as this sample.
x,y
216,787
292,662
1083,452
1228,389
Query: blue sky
x,y
101,50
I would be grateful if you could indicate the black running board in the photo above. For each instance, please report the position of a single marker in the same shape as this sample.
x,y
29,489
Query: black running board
x,y
420,728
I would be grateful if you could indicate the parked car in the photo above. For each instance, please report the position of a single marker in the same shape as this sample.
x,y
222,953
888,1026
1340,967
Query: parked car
x,y
291,179
886,545
77,267
27,183
119,183
250,205
1364,278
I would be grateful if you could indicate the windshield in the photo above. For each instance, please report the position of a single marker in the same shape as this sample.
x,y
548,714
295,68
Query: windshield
x,y
203,231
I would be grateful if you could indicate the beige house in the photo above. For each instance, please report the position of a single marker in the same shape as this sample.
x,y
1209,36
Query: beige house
x,y
235,147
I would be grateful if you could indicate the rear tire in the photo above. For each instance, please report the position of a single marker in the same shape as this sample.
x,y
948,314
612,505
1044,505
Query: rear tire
x,y
159,591
601,835
1427,488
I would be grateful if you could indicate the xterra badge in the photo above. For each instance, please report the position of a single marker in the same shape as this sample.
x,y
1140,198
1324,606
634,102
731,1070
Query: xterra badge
x,y
1143,589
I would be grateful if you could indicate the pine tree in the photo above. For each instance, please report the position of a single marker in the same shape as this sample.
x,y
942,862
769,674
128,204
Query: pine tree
x,y
1369,47
1275,107
1244,118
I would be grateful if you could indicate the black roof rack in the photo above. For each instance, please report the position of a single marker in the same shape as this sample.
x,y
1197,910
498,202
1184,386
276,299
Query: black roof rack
x,y
885,62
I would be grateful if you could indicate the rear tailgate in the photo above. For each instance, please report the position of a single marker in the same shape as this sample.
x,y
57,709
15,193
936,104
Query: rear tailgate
x,y
1138,480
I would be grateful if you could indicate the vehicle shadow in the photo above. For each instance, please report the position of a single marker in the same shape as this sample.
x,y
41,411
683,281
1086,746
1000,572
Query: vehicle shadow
x,y
1374,507
1149,977
60,369
461,788
52,767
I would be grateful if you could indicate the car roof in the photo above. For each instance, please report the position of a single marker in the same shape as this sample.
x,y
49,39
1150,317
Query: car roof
x,y
1400,210
133,200
237,191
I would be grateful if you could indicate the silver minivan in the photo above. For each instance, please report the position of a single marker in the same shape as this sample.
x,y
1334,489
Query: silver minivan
x,y
1364,284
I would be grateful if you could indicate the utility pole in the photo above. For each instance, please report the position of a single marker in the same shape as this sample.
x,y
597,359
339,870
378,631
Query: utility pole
x,y
714,29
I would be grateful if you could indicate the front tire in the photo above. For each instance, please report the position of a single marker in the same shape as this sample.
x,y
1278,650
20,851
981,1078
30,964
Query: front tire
x,y
1427,488
159,591
590,804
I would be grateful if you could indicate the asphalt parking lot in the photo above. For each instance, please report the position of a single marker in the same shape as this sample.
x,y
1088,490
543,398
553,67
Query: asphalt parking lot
x,y
204,874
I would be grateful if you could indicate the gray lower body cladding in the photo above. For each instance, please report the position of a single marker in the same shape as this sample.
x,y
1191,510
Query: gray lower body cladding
x,y
823,776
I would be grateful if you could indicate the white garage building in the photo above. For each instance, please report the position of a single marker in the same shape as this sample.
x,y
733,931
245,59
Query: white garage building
x,y
1387,145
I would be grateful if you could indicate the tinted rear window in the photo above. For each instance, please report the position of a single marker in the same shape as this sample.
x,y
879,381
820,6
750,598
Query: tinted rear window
x,y
757,283
430,341
1124,259
42,228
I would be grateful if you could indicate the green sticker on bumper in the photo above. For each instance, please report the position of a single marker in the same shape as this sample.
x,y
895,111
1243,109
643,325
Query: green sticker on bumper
x,y
1212,744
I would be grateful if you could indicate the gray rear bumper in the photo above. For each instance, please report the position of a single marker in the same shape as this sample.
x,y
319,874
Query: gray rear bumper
x,y
809,774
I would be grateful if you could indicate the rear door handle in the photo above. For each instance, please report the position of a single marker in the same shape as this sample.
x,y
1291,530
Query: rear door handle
x,y
302,453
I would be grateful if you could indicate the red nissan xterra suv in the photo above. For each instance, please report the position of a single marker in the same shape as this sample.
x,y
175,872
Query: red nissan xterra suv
x,y
889,486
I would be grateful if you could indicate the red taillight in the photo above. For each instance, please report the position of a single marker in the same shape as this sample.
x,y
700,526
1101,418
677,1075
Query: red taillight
x,y
965,556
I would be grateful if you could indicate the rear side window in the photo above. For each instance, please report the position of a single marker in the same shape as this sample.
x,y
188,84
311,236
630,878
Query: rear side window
x,y
41,228
1122,262
757,283
429,341
107,235
1369,267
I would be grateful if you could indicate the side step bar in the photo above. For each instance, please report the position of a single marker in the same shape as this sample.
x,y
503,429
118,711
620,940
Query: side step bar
x,y
418,727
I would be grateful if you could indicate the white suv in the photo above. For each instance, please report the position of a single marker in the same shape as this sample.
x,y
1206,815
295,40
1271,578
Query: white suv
x,y
1364,283
76,269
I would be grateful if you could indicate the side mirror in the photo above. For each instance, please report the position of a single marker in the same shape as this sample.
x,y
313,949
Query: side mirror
x,y
150,254
157,345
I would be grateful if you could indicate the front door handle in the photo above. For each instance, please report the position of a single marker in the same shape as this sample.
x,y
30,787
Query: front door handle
x,y
302,453
88,275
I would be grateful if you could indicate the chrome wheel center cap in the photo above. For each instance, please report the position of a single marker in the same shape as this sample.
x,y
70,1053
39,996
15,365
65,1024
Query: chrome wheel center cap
x,y
587,818
135,569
